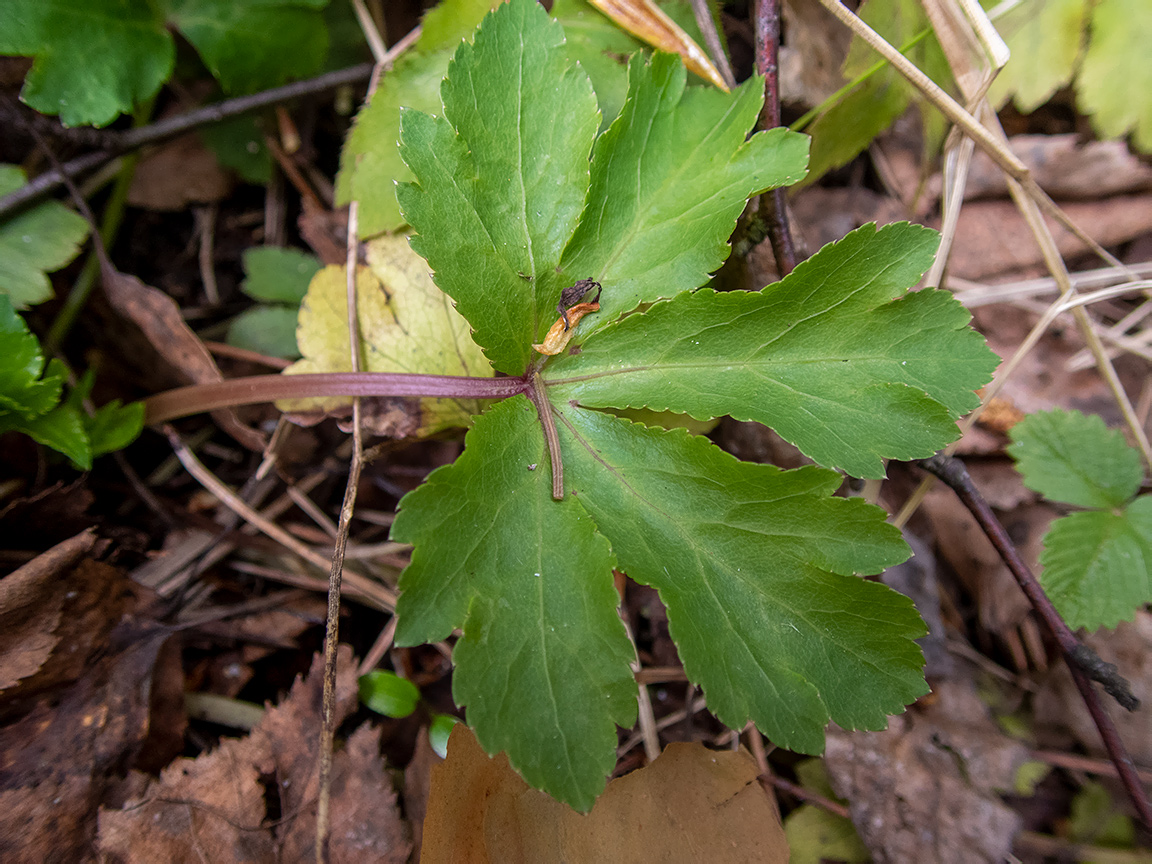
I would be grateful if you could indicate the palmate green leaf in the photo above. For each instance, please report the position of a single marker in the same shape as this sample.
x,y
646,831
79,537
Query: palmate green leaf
x,y
754,566
35,242
1074,458
500,188
543,664
837,357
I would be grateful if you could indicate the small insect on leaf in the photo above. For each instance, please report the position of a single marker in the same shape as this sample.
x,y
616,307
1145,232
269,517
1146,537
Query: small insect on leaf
x,y
558,335
572,295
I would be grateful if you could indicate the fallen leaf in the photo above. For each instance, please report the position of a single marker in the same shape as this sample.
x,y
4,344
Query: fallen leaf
x,y
177,174
214,807
690,805
158,316
57,761
407,324
926,789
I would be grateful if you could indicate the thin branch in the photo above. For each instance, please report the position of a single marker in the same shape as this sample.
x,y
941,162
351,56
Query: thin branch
x,y
774,204
1082,661
198,398
702,10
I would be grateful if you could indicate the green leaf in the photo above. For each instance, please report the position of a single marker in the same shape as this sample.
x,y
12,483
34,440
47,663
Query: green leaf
x,y
850,125
94,58
407,324
269,330
62,429
1044,37
754,566
370,163
1116,67
278,275
23,393
543,664
837,357
34,242
1098,564
438,733
388,694
113,426
677,170
815,835
1071,457
500,187
255,44
602,50
239,144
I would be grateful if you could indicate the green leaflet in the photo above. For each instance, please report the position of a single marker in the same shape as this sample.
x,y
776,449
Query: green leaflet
x,y
501,179
1044,37
1115,66
1097,565
543,665
1072,457
752,563
669,179
34,242
832,357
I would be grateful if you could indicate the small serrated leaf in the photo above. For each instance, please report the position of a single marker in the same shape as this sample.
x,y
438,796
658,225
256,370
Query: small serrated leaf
x,y
1098,564
1115,68
1074,458
34,242
1044,37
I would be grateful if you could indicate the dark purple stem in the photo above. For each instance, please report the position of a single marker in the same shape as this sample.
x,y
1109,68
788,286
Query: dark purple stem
x,y
198,398
774,204
1082,661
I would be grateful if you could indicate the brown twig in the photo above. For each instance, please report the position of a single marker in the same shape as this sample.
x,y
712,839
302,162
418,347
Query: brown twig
x,y
165,130
774,204
1082,661
806,795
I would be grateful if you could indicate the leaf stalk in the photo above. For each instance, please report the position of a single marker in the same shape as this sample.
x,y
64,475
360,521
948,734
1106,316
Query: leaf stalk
x,y
544,408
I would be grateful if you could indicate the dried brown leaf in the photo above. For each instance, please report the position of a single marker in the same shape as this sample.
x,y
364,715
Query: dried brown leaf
x,y
690,805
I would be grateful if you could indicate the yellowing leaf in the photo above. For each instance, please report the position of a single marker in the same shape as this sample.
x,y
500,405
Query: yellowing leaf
x,y
646,21
407,324
1116,75
1044,37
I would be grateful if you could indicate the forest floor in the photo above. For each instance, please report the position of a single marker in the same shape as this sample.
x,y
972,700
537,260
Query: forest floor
x,y
159,684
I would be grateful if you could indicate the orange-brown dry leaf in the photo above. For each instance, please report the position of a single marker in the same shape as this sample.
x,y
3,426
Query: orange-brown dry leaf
x,y
213,807
647,22
558,335
690,805
177,174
